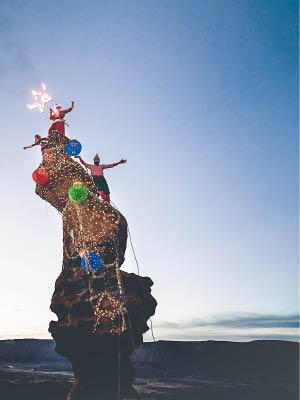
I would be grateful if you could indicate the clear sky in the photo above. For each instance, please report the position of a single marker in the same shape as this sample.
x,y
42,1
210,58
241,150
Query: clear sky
x,y
201,97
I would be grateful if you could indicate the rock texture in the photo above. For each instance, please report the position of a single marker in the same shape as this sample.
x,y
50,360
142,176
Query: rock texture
x,y
102,314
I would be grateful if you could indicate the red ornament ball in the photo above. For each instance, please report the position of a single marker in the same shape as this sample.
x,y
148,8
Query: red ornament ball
x,y
40,176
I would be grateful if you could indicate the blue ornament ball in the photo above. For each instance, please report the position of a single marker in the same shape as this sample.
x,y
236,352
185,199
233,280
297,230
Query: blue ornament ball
x,y
94,262
73,147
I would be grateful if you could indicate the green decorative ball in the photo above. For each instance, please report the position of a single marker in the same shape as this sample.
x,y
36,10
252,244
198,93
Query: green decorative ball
x,y
78,192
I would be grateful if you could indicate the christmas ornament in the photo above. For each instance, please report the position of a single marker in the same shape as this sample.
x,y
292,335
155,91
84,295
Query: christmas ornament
x,y
78,192
40,176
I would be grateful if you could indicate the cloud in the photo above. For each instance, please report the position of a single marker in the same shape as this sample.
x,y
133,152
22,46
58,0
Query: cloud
x,y
188,336
245,321
260,321
235,327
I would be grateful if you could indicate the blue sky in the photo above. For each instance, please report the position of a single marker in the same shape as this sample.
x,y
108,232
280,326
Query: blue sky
x,y
202,99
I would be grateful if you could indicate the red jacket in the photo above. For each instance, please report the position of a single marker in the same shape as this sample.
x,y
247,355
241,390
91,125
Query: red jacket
x,y
59,122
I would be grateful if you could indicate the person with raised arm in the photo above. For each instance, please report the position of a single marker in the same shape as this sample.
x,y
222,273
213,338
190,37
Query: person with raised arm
x,y
97,175
57,116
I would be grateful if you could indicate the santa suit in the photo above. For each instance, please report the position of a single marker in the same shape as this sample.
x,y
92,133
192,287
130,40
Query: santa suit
x,y
59,122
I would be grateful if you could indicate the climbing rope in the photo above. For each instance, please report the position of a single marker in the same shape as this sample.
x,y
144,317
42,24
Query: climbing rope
x,y
128,230
138,266
136,261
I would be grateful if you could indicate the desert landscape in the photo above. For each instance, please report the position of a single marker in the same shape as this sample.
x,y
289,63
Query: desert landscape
x,y
208,370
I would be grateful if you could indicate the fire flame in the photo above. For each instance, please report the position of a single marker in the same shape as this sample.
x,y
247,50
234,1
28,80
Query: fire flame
x,y
40,99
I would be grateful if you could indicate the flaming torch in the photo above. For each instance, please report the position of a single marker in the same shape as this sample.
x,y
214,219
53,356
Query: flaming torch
x,y
40,99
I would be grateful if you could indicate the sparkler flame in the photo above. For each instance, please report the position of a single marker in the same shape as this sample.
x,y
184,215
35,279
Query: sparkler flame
x,y
40,99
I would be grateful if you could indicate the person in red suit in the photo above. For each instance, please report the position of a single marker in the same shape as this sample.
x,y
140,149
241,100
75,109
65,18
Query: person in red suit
x,y
57,116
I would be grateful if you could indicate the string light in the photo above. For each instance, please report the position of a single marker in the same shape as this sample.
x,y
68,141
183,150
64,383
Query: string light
x,y
90,225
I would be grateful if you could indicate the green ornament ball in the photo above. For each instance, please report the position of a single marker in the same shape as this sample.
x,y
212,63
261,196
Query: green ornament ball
x,y
78,192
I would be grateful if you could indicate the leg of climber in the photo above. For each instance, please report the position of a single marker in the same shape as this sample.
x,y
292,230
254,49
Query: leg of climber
x,y
102,194
105,189
99,187
102,187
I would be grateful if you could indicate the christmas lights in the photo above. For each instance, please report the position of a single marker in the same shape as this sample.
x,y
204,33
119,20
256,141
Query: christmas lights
x,y
90,226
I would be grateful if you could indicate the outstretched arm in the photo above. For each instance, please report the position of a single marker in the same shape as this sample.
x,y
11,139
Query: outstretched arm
x,y
70,108
114,164
51,115
30,146
81,160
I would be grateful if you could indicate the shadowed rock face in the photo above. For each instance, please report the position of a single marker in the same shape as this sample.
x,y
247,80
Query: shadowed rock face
x,y
102,314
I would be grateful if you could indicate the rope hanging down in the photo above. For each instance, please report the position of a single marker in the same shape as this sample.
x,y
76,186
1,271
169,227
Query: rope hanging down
x,y
138,266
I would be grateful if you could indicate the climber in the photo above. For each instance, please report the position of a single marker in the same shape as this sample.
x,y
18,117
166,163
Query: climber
x,y
58,117
38,140
97,175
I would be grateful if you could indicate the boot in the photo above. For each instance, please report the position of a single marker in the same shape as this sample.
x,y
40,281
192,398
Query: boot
x,y
102,194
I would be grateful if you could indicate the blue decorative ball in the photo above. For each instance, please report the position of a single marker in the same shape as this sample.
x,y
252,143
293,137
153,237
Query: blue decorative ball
x,y
93,262
73,147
